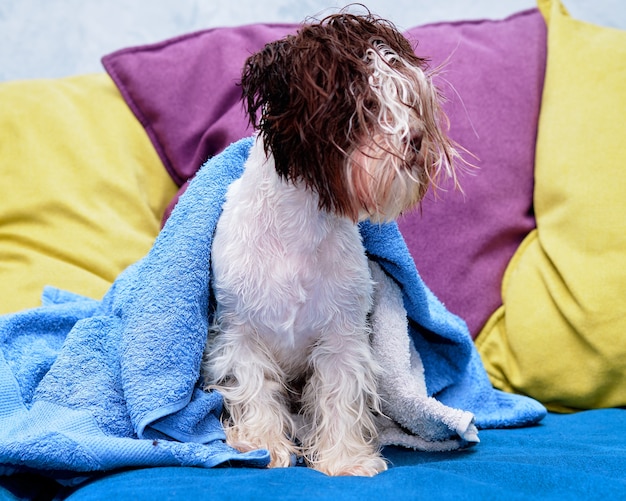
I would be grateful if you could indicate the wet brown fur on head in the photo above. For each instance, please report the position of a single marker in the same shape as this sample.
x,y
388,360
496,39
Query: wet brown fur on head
x,y
310,97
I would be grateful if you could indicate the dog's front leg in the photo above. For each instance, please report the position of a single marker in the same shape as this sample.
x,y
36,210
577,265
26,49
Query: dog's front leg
x,y
254,396
338,402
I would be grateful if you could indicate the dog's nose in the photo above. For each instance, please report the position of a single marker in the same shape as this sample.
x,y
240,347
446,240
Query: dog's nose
x,y
416,142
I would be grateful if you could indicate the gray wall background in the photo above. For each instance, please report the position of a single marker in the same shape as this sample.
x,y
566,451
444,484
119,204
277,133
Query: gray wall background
x,y
54,38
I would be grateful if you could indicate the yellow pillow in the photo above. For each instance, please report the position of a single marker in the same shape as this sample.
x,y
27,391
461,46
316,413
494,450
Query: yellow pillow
x,y
561,334
83,189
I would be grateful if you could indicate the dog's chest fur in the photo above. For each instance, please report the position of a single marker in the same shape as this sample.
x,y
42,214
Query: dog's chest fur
x,y
284,269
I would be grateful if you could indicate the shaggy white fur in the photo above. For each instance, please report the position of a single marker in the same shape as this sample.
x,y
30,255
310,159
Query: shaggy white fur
x,y
292,283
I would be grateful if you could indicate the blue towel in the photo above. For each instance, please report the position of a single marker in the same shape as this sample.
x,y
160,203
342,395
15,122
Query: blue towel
x,y
91,385
454,373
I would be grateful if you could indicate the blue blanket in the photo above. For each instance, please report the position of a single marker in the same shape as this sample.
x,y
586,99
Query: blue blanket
x,y
90,385
566,457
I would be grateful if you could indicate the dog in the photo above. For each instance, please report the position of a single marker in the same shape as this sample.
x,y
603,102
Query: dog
x,y
349,128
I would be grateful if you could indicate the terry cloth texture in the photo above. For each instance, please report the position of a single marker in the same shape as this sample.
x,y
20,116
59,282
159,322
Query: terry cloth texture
x,y
96,385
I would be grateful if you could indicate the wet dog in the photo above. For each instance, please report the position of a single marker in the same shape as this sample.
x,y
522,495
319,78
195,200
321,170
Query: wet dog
x,y
349,128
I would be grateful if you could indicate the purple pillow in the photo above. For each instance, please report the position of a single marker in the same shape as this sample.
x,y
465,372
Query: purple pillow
x,y
493,80
184,93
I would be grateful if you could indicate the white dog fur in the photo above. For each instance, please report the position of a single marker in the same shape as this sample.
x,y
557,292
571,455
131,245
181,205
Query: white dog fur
x,y
291,280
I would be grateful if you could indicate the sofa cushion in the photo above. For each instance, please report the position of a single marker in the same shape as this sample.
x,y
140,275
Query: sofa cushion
x,y
539,462
184,92
83,190
560,335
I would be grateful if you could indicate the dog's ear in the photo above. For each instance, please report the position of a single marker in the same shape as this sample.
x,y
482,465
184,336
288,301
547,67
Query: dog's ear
x,y
303,93
264,80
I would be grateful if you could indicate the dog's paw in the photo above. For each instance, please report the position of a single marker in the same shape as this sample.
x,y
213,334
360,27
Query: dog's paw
x,y
282,455
367,466
282,451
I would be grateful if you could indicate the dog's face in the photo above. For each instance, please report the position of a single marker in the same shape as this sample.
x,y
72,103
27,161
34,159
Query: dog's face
x,y
347,109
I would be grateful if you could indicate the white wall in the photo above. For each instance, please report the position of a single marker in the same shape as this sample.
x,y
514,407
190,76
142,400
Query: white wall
x,y
52,38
